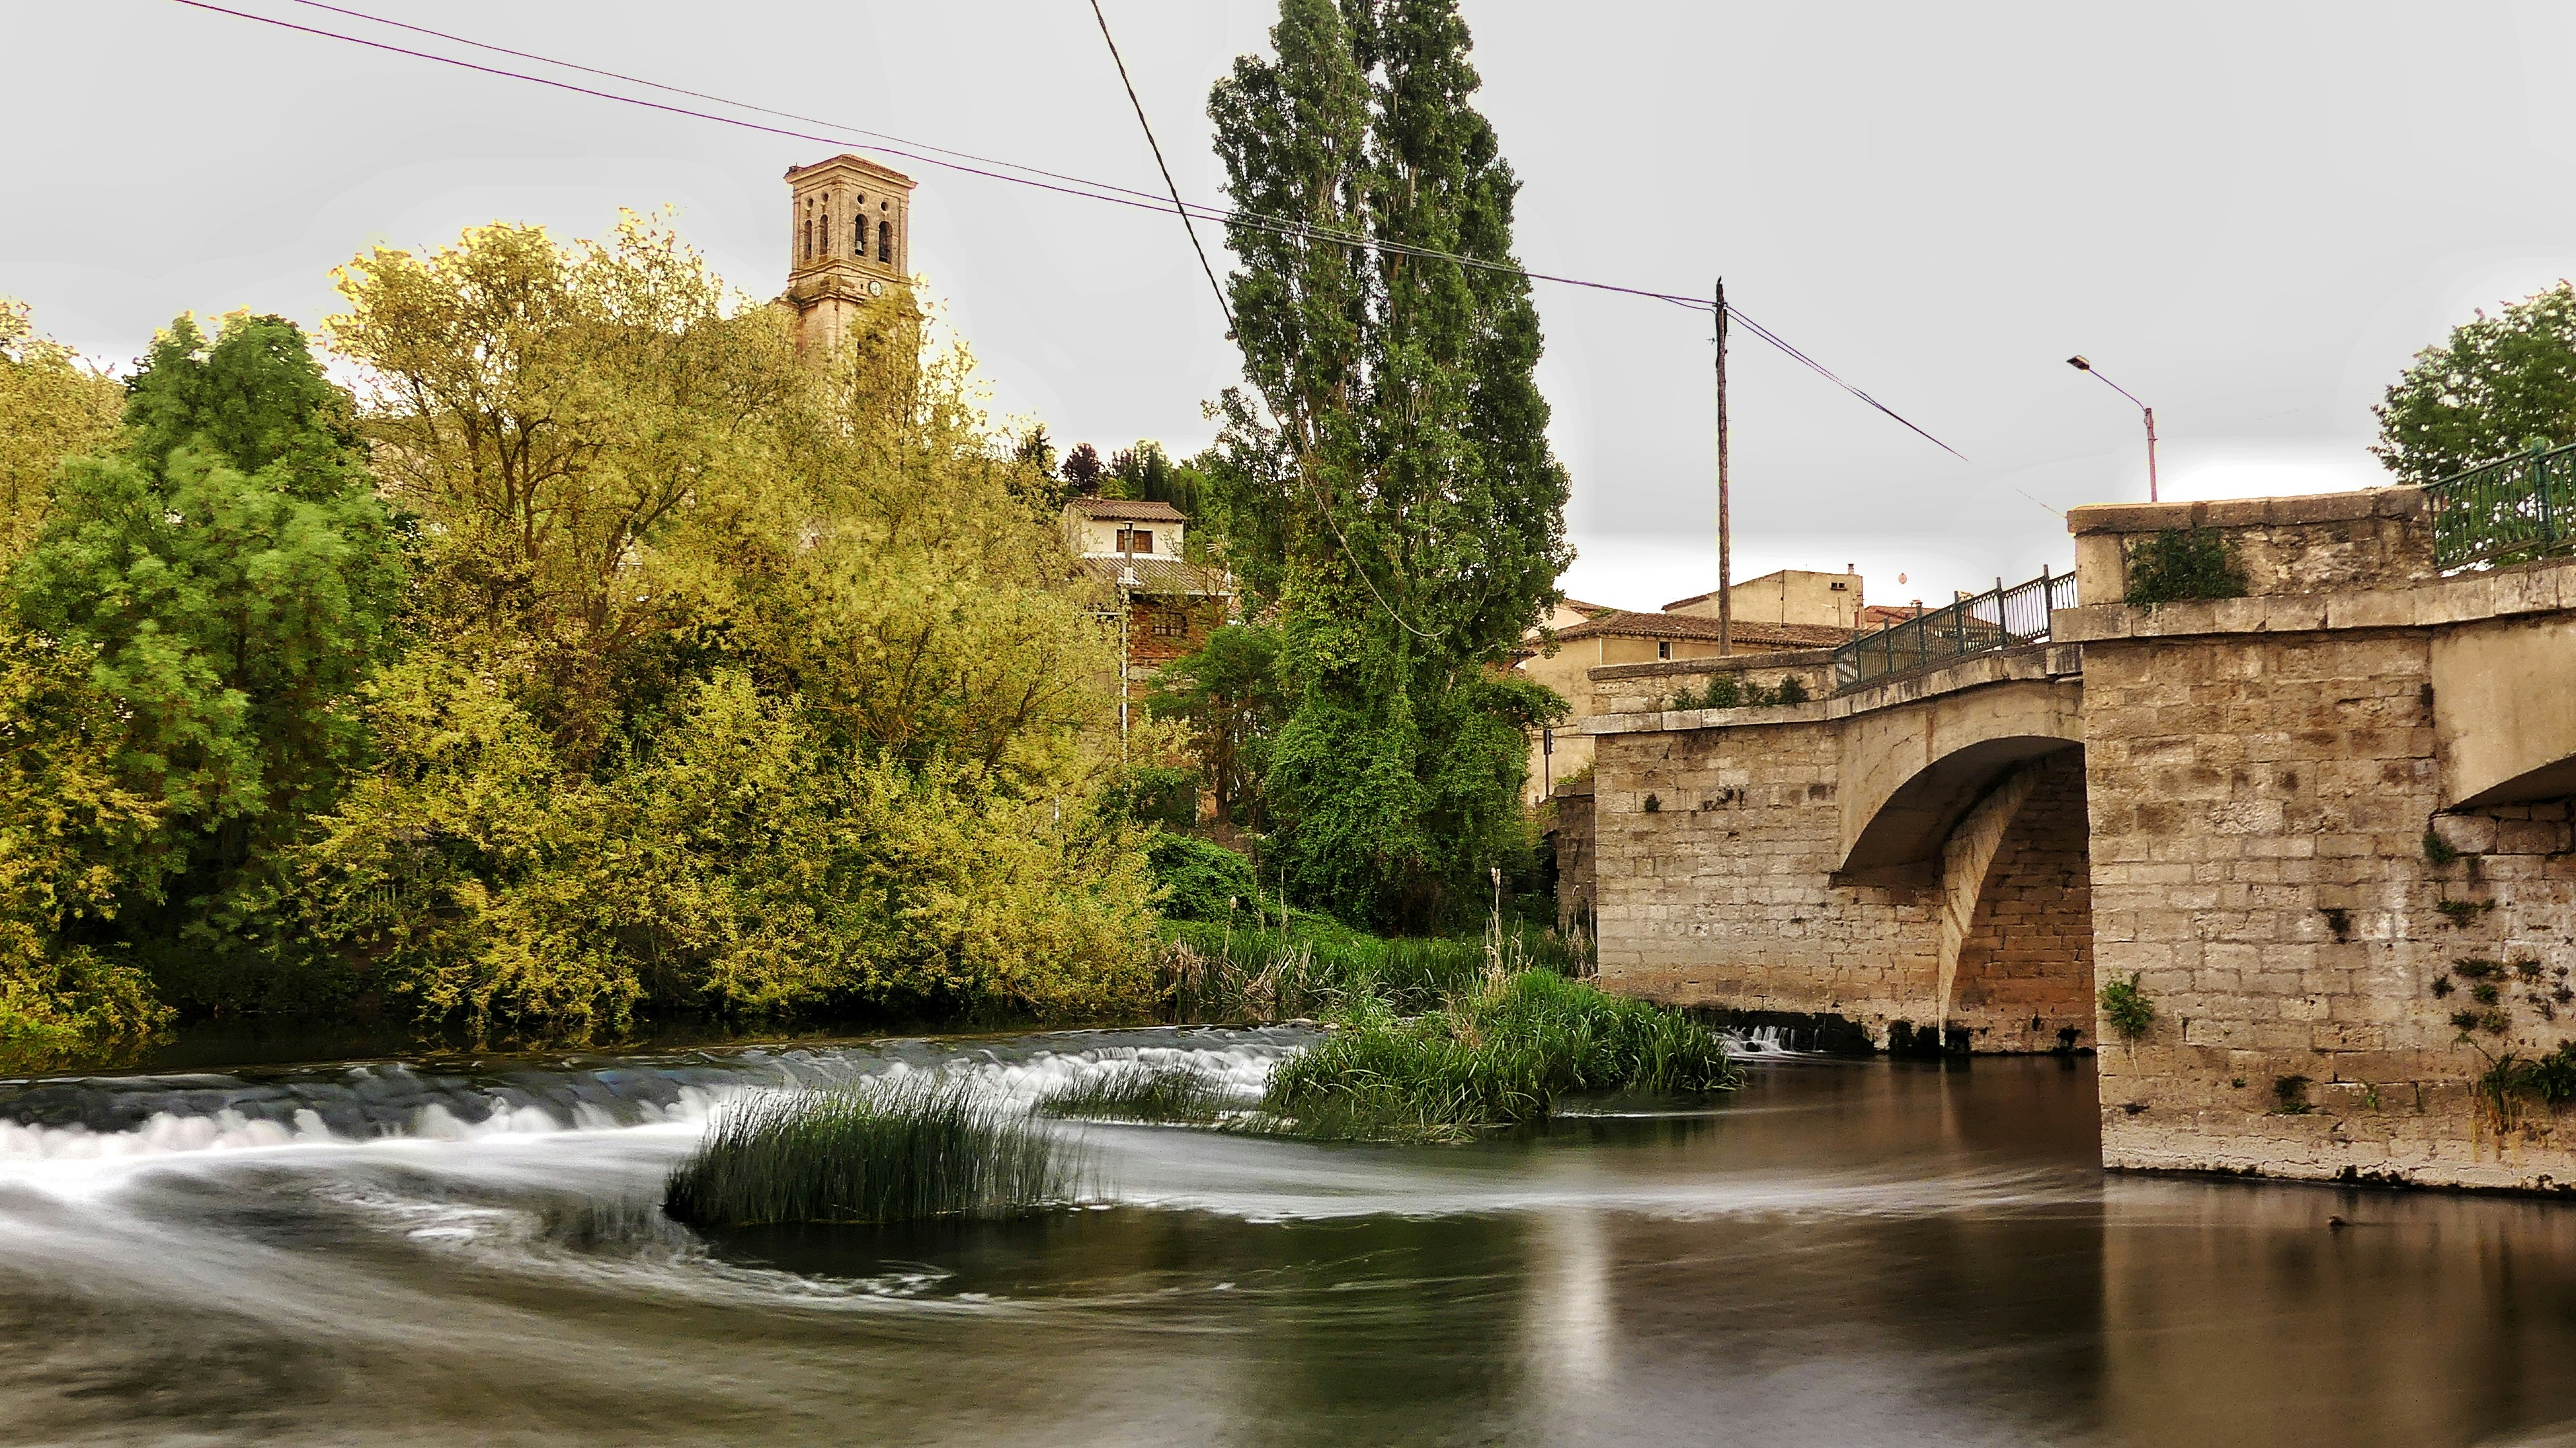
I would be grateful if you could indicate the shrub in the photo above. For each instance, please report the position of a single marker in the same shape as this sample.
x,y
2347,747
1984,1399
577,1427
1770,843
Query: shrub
x,y
1200,881
1498,1057
2290,1096
2179,564
1792,691
2126,1007
1153,794
1134,1091
898,1152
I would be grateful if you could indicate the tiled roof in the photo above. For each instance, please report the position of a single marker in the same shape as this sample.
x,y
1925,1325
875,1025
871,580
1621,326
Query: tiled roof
x,y
1692,626
1124,511
1879,615
1589,610
1157,577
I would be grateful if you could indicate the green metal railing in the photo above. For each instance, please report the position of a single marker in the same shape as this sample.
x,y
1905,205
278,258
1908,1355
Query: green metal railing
x,y
2505,511
1998,619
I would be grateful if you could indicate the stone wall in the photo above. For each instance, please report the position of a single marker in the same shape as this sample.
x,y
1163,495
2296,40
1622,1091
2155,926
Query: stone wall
x,y
2334,541
1567,821
1649,688
1716,849
2261,805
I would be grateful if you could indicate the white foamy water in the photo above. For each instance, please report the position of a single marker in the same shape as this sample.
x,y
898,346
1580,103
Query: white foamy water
x,y
392,1103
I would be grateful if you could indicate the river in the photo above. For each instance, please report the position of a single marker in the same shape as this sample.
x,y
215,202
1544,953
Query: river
x,y
1845,1252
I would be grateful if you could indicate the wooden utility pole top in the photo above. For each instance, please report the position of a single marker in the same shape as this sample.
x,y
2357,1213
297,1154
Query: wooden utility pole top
x,y
1725,529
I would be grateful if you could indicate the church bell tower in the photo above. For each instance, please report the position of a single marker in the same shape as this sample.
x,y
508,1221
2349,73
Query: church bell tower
x,y
848,244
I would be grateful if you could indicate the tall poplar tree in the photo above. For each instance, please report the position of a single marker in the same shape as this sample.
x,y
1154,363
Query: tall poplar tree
x,y
1386,482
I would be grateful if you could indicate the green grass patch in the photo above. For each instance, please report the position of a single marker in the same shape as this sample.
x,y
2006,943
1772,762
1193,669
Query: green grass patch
x,y
900,1152
1135,1091
1318,967
1500,1055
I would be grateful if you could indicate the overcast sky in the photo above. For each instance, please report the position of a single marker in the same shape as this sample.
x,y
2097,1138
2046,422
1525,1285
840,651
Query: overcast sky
x,y
2250,214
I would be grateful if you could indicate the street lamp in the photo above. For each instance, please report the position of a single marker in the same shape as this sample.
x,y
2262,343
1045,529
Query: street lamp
x,y
2081,365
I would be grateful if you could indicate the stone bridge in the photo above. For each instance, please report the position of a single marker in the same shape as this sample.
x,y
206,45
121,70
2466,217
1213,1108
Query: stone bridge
x,y
2326,827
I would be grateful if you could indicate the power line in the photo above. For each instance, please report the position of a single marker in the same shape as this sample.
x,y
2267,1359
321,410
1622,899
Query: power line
x,y
970,164
1323,504
1148,127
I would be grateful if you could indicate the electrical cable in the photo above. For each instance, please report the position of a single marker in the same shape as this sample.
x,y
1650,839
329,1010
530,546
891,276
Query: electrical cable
x,y
1057,182
1159,164
1323,505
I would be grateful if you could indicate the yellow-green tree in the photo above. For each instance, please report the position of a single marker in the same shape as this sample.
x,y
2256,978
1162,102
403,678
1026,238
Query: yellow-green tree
x,y
744,683
576,428
52,406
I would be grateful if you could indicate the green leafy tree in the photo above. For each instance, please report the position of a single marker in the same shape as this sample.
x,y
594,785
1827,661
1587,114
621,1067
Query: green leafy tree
x,y
1229,694
1386,482
233,577
2498,385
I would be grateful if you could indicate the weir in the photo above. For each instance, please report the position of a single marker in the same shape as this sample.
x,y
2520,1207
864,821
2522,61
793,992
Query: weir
x,y
2324,826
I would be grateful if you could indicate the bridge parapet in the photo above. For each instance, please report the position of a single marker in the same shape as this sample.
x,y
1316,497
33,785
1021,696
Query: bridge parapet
x,y
2332,542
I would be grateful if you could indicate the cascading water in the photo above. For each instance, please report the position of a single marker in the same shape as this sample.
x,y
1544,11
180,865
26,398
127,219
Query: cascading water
x,y
112,1116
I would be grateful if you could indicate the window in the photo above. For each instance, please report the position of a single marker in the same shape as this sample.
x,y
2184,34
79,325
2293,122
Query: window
x,y
1663,648
809,238
1170,623
859,238
885,241
1135,540
823,229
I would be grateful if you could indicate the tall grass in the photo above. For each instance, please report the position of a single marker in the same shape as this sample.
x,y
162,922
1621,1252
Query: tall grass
x,y
1499,1055
1135,1091
1316,968
899,1152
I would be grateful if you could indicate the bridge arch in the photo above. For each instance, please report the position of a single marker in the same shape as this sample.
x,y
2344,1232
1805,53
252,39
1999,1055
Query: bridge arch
x,y
1909,773
2502,737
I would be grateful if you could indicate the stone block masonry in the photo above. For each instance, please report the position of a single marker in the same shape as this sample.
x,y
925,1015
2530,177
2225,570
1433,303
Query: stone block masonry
x,y
2262,804
2327,827
1715,854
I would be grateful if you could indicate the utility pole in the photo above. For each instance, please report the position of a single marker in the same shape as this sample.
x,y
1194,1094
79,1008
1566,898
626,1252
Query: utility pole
x,y
1725,527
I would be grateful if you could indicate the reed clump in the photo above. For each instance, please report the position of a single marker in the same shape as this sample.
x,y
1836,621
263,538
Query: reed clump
x,y
1138,1091
871,1153
1500,1055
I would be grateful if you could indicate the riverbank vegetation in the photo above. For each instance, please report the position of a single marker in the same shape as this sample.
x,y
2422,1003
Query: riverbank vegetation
x,y
884,1152
1498,1056
596,658
545,647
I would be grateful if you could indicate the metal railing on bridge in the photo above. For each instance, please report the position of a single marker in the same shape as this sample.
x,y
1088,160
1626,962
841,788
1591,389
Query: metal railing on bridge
x,y
2507,511
2000,618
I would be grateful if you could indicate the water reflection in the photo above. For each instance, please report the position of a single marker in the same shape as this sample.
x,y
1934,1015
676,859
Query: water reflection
x,y
1846,1253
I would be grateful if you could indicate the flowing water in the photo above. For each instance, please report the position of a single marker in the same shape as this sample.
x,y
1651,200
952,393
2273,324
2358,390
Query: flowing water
x,y
1846,1252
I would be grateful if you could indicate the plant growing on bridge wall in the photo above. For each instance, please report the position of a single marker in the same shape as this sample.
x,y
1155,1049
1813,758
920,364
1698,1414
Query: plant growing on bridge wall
x,y
2183,563
2290,1096
2126,1007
